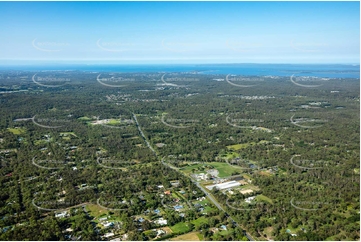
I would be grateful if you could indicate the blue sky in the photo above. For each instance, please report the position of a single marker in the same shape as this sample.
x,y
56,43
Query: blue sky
x,y
180,32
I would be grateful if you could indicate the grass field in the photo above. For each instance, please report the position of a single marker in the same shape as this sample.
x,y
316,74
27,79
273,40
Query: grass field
x,y
17,131
95,210
40,142
193,236
175,195
205,201
231,155
268,232
250,186
200,236
85,118
114,122
66,134
180,228
264,198
167,230
208,209
225,232
265,173
134,137
182,198
200,221
224,169
240,146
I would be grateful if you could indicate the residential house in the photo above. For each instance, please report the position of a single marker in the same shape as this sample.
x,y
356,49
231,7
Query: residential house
x,y
161,221
178,207
160,232
174,183
107,235
116,239
249,199
61,215
108,225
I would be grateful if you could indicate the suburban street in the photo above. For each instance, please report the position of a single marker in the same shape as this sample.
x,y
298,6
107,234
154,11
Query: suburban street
x,y
209,196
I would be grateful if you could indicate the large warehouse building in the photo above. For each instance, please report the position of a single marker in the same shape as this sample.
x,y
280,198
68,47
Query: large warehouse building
x,y
225,185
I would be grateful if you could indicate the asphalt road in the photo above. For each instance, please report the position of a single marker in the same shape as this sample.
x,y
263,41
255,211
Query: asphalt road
x,y
249,237
212,199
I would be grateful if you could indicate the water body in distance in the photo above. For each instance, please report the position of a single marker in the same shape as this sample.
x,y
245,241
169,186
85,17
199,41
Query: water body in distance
x,y
316,70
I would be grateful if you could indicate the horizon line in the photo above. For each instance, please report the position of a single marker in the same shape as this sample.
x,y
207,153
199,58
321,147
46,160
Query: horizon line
x,y
195,63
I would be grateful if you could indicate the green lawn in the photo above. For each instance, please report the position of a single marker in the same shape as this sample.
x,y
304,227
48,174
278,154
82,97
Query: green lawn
x,y
40,142
180,228
200,221
224,169
231,155
96,211
245,145
200,236
188,169
114,121
68,134
16,131
148,232
264,198
240,146
225,232
85,118
205,201
176,195
250,186
113,218
181,197
208,209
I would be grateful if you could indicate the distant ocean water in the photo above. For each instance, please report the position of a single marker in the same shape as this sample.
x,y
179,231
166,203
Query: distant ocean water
x,y
316,70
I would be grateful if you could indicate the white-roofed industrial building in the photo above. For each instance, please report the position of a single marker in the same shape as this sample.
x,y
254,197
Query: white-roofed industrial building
x,y
224,185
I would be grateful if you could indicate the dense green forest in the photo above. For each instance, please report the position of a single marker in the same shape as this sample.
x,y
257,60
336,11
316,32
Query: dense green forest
x,y
80,138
